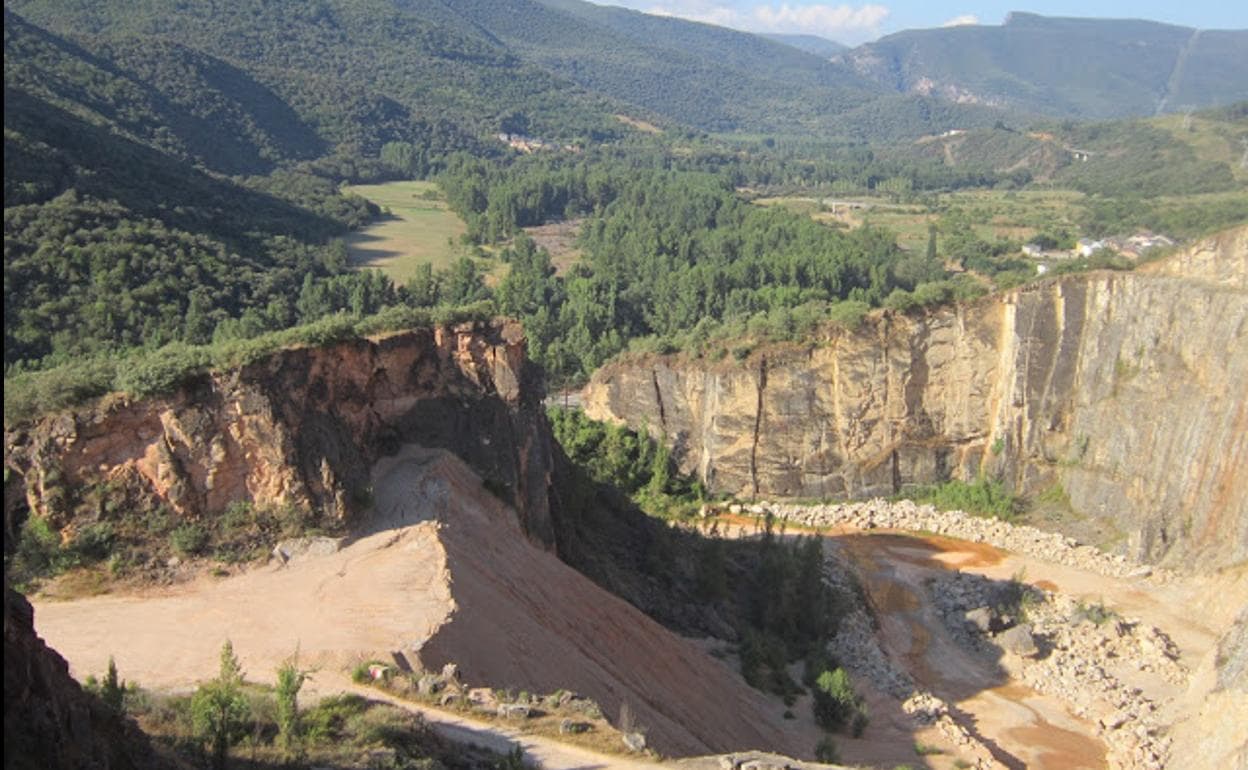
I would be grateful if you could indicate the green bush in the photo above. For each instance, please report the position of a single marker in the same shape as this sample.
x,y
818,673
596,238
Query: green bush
x,y
38,550
94,542
162,370
836,705
189,539
826,751
290,679
983,497
848,314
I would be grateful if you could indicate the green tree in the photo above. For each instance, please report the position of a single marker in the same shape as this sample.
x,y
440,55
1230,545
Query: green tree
x,y
113,691
289,681
464,284
219,710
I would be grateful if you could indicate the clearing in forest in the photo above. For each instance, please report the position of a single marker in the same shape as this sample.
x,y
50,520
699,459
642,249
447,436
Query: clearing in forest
x,y
419,227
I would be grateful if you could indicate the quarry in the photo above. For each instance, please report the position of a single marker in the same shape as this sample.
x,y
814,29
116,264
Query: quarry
x,y
1114,637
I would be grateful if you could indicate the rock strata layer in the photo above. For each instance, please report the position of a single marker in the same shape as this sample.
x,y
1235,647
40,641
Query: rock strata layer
x,y
1123,389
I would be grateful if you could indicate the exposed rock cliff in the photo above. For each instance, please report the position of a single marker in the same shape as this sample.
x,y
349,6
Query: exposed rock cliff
x,y
302,427
1125,388
49,721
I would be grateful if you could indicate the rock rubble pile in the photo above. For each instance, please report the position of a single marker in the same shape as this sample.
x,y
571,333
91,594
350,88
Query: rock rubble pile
x,y
855,646
908,515
1073,648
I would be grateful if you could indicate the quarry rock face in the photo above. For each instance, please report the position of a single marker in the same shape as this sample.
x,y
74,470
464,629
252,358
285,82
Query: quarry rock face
x,y
1124,389
301,428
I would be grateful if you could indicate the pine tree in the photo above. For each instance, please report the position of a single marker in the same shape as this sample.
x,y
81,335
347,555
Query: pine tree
x,y
113,691
219,710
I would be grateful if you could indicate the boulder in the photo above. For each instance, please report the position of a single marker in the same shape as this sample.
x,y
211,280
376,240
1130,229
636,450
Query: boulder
x,y
1018,640
483,698
979,619
635,742
450,699
514,710
569,727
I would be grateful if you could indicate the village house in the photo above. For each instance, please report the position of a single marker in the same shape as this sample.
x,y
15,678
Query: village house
x,y
1086,247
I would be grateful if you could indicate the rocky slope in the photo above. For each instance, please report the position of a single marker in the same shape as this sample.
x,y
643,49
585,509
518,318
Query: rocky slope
x,y
300,428
1126,389
49,721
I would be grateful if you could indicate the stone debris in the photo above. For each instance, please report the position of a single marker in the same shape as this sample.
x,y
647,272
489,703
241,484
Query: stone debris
x,y
1019,641
858,650
1062,647
299,548
979,619
514,710
908,515
635,742
1074,644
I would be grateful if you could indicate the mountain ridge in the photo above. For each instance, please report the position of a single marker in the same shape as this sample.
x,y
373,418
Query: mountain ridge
x,y
1118,68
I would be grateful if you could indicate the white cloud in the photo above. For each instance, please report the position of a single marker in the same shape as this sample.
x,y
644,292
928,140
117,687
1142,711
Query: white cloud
x,y
962,21
838,22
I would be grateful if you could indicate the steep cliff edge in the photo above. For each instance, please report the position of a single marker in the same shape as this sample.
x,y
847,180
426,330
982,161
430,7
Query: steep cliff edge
x,y
1127,389
301,428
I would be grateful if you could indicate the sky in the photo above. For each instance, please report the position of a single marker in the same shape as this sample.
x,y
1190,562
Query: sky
x,y
858,22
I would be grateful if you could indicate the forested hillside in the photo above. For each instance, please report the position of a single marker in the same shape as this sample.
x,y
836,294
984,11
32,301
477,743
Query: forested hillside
x,y
1079,68
361,72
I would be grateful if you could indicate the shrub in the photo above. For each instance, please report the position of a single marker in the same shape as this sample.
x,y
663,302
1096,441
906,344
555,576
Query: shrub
x,y
289,681
328,719
94,542
983,497
38,550
162,370
836,705
189,539
848,314
826,751
112,690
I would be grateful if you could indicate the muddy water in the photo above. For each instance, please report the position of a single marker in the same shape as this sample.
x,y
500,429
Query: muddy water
x,y
1022,728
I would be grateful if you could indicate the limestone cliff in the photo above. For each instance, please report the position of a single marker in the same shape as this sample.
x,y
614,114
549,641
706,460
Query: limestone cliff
x,y
302,427
1125,388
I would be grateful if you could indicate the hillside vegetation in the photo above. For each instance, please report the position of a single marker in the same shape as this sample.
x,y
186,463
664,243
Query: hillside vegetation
x,y
1063,67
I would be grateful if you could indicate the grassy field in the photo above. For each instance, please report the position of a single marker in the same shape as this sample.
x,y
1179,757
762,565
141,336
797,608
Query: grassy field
x,y
419,228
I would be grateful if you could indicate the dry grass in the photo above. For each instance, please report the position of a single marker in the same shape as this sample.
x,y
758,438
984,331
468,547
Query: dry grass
x,y
639,124
559,238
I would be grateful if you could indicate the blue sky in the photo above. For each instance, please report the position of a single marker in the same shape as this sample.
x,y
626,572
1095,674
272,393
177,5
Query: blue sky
x,y
858,22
